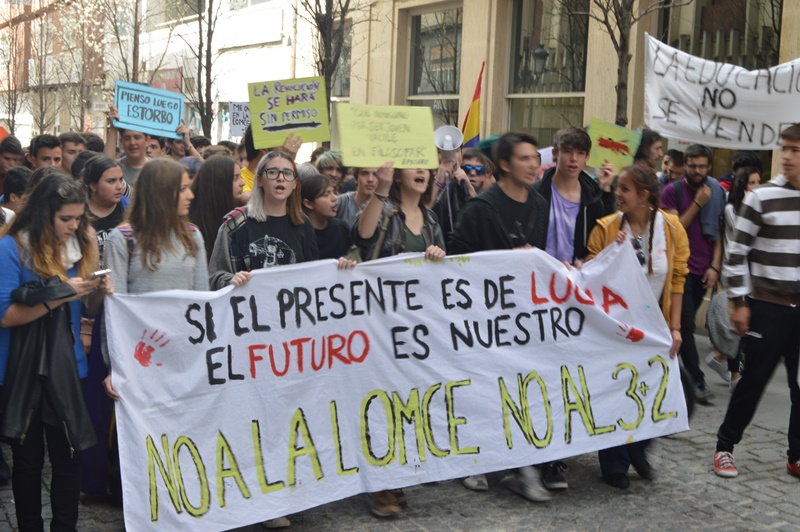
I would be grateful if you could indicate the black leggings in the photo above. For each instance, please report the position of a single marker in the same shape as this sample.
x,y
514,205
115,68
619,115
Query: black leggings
x,y
26,478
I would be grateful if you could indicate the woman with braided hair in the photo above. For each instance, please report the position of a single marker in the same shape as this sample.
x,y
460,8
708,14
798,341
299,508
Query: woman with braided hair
x,y
662,248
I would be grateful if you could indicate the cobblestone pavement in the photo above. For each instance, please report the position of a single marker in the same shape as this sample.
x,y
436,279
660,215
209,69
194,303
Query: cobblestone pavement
x,y
686,495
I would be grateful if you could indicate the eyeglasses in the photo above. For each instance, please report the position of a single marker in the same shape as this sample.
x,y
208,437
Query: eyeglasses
x,y
273,173
696,166
638,244
468,168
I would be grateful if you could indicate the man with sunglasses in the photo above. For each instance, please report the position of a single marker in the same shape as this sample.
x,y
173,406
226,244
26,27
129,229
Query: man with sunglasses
x,y
450,192
698,200
478,169
473,177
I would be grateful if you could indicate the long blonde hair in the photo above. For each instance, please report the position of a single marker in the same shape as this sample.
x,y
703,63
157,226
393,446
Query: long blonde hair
x,y
255,206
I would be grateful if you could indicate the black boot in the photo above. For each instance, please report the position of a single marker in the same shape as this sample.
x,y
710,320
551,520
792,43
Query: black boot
x,y
5,471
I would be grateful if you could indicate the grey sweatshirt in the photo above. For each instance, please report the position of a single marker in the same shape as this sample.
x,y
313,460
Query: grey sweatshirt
x,y
177,271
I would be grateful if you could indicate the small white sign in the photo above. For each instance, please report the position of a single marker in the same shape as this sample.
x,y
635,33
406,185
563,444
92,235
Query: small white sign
x,y
101,107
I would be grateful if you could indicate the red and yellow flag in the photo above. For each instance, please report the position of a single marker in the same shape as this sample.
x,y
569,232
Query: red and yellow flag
x,y
472,122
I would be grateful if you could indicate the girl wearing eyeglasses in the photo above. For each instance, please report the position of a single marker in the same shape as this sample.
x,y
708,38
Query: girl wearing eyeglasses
x,y
662,248
46,263
269,231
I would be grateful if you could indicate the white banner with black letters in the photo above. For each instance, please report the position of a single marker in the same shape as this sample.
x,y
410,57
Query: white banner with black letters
x,y
310,384
717,104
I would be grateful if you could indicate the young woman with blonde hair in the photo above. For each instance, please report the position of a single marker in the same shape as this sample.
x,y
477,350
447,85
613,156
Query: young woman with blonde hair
x,y
271,230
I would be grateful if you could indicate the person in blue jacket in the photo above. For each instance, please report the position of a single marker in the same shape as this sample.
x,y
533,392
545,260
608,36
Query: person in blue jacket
x,y
50,237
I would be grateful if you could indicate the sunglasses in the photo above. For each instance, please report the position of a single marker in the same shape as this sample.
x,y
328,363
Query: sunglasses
x,y
69,190
638,244
480,170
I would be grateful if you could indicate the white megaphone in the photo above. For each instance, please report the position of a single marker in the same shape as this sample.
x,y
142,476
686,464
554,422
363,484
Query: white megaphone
x,y
448,138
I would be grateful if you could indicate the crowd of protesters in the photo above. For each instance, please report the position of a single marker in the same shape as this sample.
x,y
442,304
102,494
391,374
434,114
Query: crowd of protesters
x,y
81,221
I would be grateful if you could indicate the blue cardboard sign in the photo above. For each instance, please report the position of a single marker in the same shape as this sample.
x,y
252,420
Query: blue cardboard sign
x,y
148,110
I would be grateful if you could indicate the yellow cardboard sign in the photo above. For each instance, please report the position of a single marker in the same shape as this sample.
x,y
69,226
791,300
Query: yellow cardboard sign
x,y
280,107
370,135
612,143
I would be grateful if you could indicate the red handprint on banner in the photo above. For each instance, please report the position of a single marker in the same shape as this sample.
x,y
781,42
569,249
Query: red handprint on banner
x,y
143,352
633,334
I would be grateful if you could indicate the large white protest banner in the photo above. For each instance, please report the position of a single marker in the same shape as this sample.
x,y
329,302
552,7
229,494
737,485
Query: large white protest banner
x,y
725,106
311,384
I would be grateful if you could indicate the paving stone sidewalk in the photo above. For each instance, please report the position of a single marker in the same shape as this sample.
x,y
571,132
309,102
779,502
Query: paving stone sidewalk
x,y
686,495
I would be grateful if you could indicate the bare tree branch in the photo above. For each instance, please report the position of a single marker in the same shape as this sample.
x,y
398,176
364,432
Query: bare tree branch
x,y
617,18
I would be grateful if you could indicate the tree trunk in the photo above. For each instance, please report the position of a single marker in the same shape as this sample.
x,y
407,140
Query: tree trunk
x,y
199,78
207,115
623,63
137,23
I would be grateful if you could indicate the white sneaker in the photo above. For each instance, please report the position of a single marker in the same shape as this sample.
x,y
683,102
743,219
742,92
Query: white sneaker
x,y
278,522
527,481
733,384
720,367
476,483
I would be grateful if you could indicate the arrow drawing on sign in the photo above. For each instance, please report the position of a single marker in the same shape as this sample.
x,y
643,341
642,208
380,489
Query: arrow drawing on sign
x,y
298,125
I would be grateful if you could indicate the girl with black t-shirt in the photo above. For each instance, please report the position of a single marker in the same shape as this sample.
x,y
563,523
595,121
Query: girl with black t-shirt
x,y
270,230
319,204
105,185
102,178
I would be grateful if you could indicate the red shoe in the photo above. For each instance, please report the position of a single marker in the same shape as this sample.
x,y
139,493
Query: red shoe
x,y
793,468
724,466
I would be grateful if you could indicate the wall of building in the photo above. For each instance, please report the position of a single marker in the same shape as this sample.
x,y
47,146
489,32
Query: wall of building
x,y
269,41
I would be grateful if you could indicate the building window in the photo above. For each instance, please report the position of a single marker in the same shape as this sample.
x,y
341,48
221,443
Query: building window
x,y
548,65
242,4
435,67
746,33
340,84
163,13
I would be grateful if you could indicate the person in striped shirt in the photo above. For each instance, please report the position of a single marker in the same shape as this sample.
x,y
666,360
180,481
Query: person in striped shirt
x,y
762,268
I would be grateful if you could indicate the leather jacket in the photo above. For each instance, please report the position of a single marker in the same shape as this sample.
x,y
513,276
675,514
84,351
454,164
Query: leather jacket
x,y
395,241
42,372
